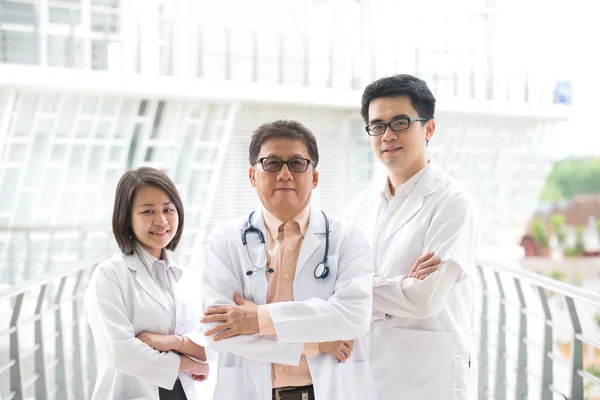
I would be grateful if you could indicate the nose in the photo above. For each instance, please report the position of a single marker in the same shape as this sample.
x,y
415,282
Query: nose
x,y
160,219
389,135
285,174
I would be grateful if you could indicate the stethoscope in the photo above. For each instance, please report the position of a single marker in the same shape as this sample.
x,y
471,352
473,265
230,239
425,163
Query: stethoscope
x,y
321,270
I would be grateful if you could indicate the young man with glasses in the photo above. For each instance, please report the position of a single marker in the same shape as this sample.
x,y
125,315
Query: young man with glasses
x,y
423,230
288,287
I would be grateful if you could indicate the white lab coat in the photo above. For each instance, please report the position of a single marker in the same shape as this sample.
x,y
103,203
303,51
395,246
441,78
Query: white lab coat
x,y
422,357
122,301
335,308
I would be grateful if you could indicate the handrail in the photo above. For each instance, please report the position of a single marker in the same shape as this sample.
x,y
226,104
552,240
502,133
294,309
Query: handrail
x,y
27,285
47,336
497,282
51,228
545,282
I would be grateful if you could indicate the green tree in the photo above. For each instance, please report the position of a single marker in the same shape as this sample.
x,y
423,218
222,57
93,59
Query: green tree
x,y
539,233
551,192
558,225
570,177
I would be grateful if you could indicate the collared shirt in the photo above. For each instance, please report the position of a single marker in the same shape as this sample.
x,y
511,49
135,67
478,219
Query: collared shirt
x,y
428,295
165,275
285,241
395,201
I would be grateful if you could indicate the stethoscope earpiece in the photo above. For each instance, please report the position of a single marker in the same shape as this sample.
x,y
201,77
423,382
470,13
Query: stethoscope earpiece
x,y
321,270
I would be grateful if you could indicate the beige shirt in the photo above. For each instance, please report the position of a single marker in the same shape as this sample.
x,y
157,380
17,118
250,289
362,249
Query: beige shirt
x,y
285,241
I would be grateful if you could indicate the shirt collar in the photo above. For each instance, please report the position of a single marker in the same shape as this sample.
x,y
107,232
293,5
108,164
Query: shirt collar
x,y
406,188
152,263
273,223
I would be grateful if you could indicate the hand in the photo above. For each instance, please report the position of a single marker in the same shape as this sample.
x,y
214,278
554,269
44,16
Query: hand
x,y
200,372
160,342
341,349
424,266
237,320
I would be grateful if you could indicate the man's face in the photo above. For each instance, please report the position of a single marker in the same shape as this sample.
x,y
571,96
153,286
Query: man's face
x,y
283,193
403,151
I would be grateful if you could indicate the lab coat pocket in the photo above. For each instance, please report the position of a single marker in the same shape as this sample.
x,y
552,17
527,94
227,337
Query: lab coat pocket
x,y
349,374
232,384
423,363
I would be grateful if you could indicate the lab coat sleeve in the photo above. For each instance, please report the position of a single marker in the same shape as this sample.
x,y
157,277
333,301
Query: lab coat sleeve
x,y
452,236
409,297
195,329
114,334
219,284
346,315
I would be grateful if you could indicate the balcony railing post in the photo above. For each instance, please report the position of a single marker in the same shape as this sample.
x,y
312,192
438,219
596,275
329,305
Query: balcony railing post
x,y
576,353
500,381
227,53
547,348
41,388
61,370
16,383
78,354
483,383
521,388
255,55
306,48
281,58
331,63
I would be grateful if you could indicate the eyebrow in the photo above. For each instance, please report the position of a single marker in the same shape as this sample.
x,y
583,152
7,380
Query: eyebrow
x,y
295,155
152,205
377,120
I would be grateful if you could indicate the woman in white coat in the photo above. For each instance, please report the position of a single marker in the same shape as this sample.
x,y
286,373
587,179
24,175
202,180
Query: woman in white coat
x,y
141,317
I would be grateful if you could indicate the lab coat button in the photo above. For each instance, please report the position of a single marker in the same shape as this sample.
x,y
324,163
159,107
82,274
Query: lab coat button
x,y
287,277
281,368
162,327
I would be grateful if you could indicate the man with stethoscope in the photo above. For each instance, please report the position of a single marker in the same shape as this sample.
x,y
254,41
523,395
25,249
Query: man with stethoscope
x,y
288,288
421,341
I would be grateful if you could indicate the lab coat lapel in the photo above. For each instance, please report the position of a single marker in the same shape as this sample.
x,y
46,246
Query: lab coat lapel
x,y
427,183
315,234
257,250
143,278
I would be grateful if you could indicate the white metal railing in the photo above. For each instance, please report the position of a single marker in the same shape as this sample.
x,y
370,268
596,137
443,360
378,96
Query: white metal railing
x,y
27,252
532,333
50,351
523,325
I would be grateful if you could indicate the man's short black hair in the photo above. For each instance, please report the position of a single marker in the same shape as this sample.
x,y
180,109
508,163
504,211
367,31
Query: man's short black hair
x,y
283,128
410,86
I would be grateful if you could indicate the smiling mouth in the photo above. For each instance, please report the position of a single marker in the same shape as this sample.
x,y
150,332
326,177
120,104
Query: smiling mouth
x,y
159,233
285,190
391,150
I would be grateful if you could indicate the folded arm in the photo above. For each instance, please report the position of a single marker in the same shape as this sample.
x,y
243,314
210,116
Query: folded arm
x,y
115,338
452,236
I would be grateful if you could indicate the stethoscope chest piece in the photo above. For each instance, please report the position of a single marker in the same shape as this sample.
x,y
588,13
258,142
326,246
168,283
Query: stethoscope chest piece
x,y
321,271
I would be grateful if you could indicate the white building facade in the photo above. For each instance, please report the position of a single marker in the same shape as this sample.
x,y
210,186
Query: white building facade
x,y
92,88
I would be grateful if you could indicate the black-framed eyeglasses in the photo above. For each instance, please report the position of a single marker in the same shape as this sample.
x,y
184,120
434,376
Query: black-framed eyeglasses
x,y
296,165
397,125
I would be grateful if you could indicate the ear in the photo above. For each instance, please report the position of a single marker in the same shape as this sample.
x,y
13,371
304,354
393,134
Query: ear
x,y
315,179
251,176
429,129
